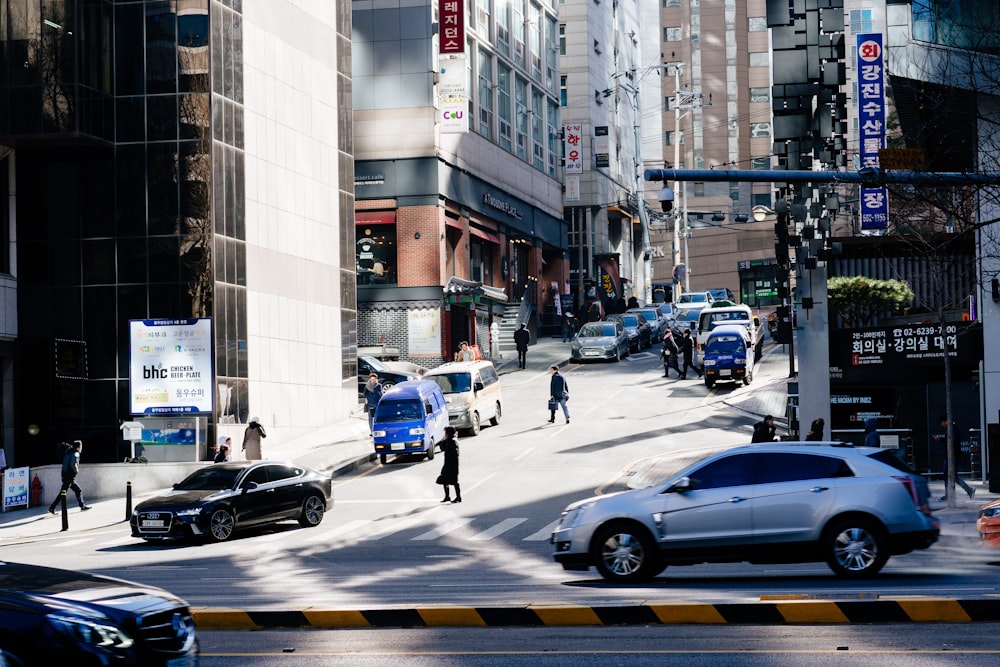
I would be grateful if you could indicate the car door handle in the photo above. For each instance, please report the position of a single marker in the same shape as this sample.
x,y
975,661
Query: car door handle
x,y
819,489
736,499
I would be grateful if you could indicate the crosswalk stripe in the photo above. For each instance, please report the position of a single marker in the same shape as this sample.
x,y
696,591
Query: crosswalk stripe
x,y
443,529
394,528
543,534
498,529
339,530
71,543
121,540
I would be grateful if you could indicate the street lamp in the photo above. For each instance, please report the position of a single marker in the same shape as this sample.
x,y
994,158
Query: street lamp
x,y
760,213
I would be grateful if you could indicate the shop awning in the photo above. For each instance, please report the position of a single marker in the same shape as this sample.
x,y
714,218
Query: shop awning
x,y
459,290
374,217
454,224
486,236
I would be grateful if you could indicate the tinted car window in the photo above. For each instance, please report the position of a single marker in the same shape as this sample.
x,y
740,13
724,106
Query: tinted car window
x,y
275,473
258,475
791,467
735,470
890,458
725,345
209,479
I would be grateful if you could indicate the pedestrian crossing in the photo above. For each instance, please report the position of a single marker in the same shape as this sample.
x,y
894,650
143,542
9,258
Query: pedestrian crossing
x,y
415,528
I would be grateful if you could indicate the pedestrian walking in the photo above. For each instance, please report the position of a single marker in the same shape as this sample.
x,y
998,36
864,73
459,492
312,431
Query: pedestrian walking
x,y
449,471
669,352
558,394
70,469
872,438
521,338
372,393
687,350
941,437
816,429
763,431
251,440
225,446
568,326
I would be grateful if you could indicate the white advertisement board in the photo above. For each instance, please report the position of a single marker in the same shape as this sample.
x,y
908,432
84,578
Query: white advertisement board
x,y
15,488
424,332
170,366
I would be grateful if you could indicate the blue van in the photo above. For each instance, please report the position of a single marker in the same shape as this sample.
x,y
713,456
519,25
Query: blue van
x,y
728,355
410,419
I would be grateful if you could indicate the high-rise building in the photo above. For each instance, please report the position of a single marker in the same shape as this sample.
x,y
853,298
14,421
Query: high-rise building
x,y
174,161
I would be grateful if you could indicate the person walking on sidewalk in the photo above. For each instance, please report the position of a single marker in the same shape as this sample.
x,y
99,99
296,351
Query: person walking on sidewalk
x,y
558,395
941,437
449,471
670,354
70,469
251,440
687,349
521,338
372,394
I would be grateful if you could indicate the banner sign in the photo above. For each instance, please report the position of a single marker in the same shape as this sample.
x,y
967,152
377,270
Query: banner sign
x,y
15,488
572,148
170,366
451,17
901,351
871,125
454,115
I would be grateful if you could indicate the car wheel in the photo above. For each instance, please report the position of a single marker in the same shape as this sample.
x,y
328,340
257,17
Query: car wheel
x,y
625,553
495,419
430,450
221,525
474,429
313,510
8,658
382,458
856,548
709,383
387,385
618,354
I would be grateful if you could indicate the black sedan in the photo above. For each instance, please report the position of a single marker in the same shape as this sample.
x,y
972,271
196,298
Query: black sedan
x,y
50,616
217,500
640,334
387,375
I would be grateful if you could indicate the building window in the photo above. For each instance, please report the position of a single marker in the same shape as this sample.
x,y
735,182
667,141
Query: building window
x,y
673,34
562,91
551,54
375,254
760,59
670,138
503,27
562,39
761,163
671,3
521,118
482,258
861,21
760,95
504,108
483,17
486,87
554,148
537,131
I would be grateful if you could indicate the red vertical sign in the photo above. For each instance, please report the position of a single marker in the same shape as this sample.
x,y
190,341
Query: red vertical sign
x,y
451,14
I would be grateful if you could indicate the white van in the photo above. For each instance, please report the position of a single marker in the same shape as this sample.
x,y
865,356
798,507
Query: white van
x,y
472,390
709,318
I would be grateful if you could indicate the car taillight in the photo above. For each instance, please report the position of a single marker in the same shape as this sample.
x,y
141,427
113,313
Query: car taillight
x,y
912,489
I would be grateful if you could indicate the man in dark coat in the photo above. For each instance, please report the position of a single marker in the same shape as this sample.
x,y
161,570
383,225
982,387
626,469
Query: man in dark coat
x,y
449,471
669,354
70,469
521,338
558,394
687,349
763,431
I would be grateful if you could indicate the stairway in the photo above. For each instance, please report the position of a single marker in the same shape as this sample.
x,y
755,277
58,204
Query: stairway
x,y
508,325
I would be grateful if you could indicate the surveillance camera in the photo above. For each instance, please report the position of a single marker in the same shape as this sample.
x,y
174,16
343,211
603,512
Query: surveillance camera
x,y
666,198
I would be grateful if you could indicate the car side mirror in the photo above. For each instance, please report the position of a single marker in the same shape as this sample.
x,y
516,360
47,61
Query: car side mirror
x,y
680,485
478,386
177,485
249,486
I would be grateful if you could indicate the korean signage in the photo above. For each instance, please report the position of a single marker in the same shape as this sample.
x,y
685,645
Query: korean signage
x,y
871,125
901,350
170,366
454,115
572,148
572,188
15,488
602,157
451,17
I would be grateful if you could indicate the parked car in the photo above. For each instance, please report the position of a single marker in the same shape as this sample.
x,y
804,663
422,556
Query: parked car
x,y
640,334
50,616
988,523
389,375
472,391
599,340
852,507
652,315
694,300
215,501
722,294
685,320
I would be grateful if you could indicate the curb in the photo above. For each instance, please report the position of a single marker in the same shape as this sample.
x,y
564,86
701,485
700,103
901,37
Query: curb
x,y
783,612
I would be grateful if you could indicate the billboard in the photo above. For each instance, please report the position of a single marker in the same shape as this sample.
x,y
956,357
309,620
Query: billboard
x,y
871,126
170,366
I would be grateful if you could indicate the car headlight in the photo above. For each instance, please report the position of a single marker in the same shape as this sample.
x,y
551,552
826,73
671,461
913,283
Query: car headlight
x,y
92,633
417,431
378,434
190,511
708,362
571,518
990,512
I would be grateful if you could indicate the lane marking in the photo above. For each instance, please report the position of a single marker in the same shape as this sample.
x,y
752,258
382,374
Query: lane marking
x,y
339,530
543,534
498,529
444,529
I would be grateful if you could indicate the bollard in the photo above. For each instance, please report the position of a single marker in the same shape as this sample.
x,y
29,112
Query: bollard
x,y
65,512
128,501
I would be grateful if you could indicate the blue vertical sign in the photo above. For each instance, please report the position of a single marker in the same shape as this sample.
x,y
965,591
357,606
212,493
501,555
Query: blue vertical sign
x,y
871,124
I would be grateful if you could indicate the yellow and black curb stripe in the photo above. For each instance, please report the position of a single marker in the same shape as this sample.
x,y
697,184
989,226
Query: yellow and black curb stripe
x,y
908,610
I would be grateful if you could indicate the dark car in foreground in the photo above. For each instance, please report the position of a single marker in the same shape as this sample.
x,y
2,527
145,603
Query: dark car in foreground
x,y
50,616
215,501
794,502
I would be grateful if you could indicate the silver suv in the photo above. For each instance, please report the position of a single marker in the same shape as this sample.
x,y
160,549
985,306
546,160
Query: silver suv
x,y
789,502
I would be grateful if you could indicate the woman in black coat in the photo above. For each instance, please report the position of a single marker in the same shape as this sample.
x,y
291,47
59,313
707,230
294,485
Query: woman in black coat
x,y
449,471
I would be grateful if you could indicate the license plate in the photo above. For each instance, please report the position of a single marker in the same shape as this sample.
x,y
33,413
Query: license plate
x,y
725,373
153,523
397,445
590,353
190,660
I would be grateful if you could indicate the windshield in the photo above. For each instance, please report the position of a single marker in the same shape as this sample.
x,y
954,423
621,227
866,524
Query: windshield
x,y
630,321
597,330
452,383
725,345
688,316
209,479
375,364
693,297
398,411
